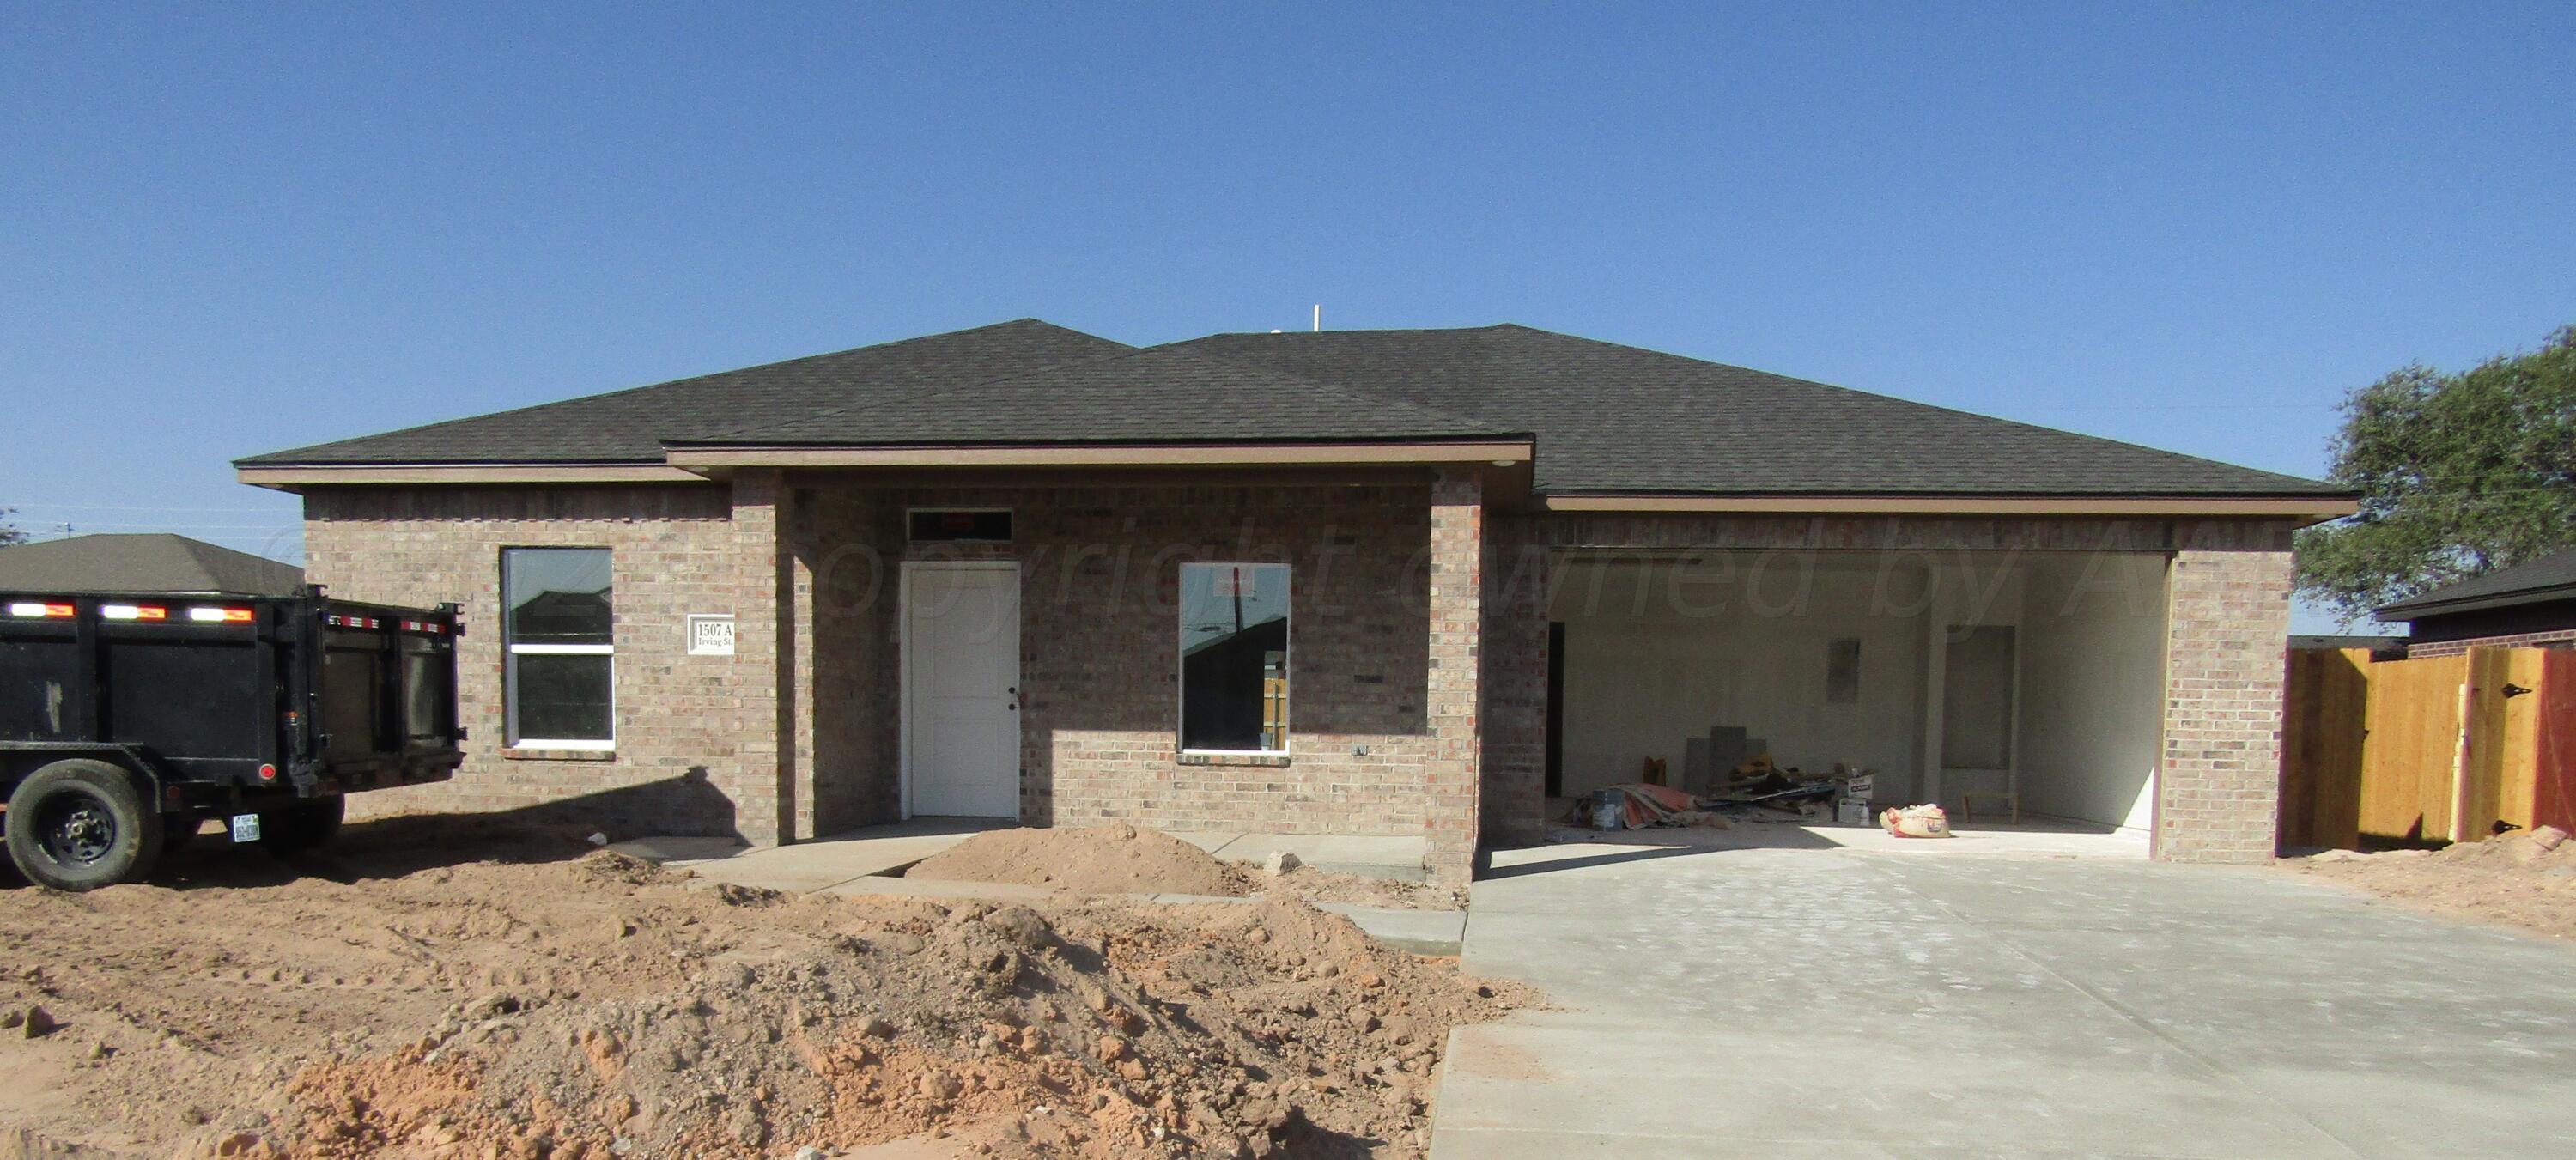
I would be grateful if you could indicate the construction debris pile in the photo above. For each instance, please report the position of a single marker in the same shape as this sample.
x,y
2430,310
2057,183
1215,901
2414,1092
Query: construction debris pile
x,y
1755,789
2524,879
585,1006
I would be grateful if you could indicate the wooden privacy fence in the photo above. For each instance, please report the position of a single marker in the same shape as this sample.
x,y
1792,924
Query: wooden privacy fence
x,y
2428,749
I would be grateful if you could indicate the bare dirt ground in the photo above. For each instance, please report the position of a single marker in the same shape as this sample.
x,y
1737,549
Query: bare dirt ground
x,y
443,988
1122,859
2521,880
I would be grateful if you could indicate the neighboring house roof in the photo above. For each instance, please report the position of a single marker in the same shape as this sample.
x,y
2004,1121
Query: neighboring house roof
x,y
630,426
2545,580
144,563
1613,418
1600,418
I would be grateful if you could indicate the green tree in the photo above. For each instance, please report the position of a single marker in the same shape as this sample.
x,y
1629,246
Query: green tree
x,y
2459,474
9,533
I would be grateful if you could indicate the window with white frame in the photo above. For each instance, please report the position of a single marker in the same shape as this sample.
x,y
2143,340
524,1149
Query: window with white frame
x,y
1234,658
556,630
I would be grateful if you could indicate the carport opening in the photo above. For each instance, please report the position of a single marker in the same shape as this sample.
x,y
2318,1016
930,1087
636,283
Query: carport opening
x,y
2033,674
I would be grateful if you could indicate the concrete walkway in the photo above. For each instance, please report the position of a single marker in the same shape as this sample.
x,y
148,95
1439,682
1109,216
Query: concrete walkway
x,y
810,866
865,862
1814,1003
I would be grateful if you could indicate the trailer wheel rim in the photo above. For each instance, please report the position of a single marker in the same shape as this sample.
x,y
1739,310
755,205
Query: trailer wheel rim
x,y
76,829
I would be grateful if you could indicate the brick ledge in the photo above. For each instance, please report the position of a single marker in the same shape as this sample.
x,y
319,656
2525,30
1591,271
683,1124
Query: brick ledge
x,y
1270,761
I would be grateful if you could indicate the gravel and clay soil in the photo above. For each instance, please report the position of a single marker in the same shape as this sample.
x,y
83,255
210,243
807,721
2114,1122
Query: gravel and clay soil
x,y
439,990
1123,859
2525,880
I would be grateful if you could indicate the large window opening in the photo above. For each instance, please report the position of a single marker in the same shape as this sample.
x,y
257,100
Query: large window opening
x,y
557,629
1234,658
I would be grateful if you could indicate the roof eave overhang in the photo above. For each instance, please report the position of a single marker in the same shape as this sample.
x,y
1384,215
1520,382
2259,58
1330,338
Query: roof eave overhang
x,y
296,476
1499,452
2303,509
2411,612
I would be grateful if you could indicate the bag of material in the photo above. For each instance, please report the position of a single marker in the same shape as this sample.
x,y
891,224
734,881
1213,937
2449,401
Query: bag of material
x,y
1916,822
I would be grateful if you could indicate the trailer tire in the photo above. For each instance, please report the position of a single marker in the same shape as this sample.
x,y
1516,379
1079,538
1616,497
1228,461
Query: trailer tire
x,y
302,826
82,824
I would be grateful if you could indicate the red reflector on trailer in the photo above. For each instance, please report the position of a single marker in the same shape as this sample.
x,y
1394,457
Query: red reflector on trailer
x,y
41,610
268,773
132,612
219,615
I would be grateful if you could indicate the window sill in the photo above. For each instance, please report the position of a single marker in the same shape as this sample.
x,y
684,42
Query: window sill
x,y
1272,760
518,754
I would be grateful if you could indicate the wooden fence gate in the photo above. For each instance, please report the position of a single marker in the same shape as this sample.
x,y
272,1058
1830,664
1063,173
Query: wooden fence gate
x,y
2429,749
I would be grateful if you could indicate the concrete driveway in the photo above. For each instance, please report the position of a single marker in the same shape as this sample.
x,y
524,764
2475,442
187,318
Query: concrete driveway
x,y
1837,1003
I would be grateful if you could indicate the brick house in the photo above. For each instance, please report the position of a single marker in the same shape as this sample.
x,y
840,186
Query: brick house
x,y
2532,604
1365,582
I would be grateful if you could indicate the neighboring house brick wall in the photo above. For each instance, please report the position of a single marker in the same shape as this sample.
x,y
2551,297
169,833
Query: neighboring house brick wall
x,y
2536,622
2450,648
677,765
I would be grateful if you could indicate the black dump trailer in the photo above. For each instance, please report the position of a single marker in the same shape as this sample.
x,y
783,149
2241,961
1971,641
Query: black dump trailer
x,y
127,721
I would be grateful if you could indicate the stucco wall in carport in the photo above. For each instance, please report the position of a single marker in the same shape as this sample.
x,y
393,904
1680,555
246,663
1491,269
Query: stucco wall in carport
x,y
2093,671
1658,649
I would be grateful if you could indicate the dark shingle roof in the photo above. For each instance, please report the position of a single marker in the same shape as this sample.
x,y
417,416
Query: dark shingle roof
x,y
150,562
1604,417
1611,418
1162,395
2549,578
629,426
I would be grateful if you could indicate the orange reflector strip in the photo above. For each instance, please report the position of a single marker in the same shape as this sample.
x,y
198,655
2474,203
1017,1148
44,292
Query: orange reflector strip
x,y
30,608
132,612
219,615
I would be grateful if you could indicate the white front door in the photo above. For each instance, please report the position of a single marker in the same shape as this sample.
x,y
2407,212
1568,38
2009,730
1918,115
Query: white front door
x,y
961,665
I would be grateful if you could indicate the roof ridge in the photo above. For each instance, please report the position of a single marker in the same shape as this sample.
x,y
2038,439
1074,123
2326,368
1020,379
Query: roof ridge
x,y
1179,350
1192,345
846,408
1355,330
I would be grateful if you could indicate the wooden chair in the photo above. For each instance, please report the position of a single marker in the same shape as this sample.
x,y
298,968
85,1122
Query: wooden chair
x,y
2010,796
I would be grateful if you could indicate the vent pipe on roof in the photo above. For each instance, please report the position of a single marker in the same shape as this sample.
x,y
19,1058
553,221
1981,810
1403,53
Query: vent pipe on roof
x,y
1319,318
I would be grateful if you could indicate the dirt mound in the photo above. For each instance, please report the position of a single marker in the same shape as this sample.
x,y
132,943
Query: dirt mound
x,y
595,1006
1088,860
2526,880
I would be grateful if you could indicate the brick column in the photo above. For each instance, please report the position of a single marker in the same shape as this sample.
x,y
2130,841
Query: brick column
x,y
764,660
2227,629
800,547
1457,558
1515,683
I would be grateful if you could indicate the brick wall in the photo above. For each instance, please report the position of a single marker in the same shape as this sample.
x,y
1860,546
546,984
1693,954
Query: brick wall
x,y
776,751
2227,630
677,766
1100,581
1418,641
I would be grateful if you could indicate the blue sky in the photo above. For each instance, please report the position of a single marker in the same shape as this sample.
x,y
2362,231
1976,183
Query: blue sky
x,y
232,229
